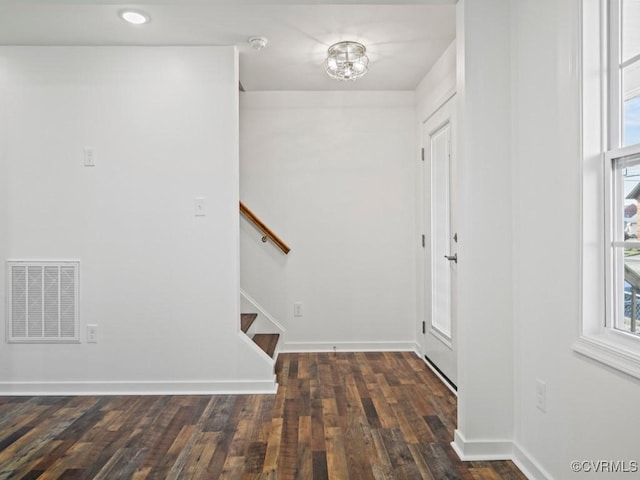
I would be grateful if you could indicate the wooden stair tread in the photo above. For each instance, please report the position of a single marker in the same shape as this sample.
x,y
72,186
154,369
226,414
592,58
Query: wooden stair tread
x,y
267,342
246,320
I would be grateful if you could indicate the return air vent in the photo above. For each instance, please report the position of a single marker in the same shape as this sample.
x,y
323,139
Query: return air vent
x,y
43,301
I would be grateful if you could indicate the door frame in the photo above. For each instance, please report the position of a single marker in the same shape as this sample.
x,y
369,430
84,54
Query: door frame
x,y
445,114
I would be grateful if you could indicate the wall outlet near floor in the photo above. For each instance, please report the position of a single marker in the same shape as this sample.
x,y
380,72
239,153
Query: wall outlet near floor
x,y
92,333
541,395
297,309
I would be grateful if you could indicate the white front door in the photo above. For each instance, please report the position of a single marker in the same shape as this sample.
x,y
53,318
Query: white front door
x,y
439,339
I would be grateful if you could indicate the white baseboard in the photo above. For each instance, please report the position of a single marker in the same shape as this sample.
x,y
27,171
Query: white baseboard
x,y
488,450
481,450
528,465
297,347
139,388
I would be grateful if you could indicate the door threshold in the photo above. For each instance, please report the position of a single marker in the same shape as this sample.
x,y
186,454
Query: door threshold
x,y
446,380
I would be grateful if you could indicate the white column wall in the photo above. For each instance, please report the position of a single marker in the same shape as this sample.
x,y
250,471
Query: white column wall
x,y
485,312
161,284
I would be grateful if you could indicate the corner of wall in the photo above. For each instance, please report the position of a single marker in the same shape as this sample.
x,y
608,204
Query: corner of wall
x,y
484,450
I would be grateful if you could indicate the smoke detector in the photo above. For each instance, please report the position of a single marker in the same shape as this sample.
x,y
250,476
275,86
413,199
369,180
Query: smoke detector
x,y
258,43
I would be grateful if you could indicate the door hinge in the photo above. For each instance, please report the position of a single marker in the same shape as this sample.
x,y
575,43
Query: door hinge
x,y
424,327
423,241
422,154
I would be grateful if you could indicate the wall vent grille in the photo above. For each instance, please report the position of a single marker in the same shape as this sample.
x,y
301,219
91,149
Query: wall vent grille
x,y
43,301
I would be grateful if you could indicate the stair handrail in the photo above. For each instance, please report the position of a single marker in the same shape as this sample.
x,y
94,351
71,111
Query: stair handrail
x,y
260,225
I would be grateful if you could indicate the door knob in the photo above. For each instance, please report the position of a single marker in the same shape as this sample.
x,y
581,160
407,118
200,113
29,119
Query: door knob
x,y
452,258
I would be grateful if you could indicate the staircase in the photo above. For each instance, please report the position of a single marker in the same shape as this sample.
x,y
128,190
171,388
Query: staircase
x,y
261,333
267,342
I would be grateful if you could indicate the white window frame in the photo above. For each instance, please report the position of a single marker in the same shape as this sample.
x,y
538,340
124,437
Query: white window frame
x,y
613,242
601,137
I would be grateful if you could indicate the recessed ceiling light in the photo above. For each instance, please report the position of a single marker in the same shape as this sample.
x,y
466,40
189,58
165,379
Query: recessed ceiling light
x,y
134,16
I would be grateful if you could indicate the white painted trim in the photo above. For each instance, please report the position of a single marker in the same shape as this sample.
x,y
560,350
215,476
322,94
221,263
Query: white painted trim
x,y
604,343
195,387
491,450
262,311
441,103
249,341
594,337
608,353
481,450
528,465
441,336
613,42
328,99
342,347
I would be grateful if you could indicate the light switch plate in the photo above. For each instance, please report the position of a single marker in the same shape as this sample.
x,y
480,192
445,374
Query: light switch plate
x,y
92,333
89,157
200,207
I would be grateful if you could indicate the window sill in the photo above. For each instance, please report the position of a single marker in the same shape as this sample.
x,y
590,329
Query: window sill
x,y
605,349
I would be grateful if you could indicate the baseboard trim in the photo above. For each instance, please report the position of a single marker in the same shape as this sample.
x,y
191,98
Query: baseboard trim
x,y
243,387
528,465
481,450
299,347
489,450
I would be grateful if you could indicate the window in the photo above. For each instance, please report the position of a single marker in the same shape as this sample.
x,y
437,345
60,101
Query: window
x,y
624,313
628,68
610,329
623,165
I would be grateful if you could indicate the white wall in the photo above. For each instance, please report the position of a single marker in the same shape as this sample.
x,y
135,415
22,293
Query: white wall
x,y
438,85
332,174
485,313
161,284
4,198
592,411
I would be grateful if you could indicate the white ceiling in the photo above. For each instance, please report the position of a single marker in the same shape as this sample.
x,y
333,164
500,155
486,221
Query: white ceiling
x,y
403,41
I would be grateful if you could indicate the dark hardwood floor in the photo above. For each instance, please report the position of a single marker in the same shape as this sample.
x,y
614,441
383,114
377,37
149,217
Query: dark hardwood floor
x,y
336,416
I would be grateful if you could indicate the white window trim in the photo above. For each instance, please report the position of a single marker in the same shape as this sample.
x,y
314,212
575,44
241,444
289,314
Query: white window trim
x,y
612,41
600,342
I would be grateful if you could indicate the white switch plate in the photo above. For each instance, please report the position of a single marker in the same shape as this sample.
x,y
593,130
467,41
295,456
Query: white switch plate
x,y
92,333
541,395
200,207
297,309
89,157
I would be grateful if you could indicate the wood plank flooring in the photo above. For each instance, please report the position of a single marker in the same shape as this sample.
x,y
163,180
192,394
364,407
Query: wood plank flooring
x,y
336,416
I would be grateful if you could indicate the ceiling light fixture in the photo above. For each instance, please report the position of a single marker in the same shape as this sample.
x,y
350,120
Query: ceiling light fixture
x,y
135,17
347,61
